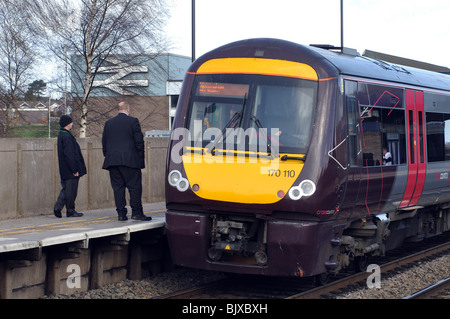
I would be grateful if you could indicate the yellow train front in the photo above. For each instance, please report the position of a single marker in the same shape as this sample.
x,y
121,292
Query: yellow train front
x,y
265,167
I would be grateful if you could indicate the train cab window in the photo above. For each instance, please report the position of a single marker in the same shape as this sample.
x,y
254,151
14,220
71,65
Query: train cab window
x,y
215,107
287,111
438,136
383,124
252,112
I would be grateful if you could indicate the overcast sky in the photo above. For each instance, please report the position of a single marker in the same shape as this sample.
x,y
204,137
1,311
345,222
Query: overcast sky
x,y
414,29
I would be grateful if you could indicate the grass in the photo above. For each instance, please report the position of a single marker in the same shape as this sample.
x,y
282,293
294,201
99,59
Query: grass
x,y
35,131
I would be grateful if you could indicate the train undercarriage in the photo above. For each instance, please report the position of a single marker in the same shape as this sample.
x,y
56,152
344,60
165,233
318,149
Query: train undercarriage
x,y
245,240
374,236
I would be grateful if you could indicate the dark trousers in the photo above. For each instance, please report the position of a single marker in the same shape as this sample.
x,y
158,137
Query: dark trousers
x,y
122,178
67,195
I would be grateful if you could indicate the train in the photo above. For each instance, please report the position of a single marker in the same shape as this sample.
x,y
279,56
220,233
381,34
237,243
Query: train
x,y
300,161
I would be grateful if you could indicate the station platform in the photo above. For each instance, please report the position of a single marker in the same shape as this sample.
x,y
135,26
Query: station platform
x,y
47,230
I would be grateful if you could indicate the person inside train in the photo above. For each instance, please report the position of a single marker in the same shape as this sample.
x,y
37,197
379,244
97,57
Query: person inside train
x,y
387,157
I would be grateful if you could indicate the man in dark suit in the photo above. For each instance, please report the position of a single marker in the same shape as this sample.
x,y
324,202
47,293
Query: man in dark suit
x,y
71,168
124,149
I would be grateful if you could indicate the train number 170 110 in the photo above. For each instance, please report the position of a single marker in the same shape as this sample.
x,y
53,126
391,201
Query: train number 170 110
x,y
280,173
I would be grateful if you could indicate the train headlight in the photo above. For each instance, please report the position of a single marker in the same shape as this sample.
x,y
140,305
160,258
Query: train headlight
x,y
177,180
183,185
295,193
306,188
174,178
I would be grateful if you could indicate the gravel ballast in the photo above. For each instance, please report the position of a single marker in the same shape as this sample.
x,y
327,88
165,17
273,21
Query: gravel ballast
x,y
404,282
394,285
151,287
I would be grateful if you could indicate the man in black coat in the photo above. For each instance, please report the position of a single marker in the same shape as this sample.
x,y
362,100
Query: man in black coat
x,y
124,149
71,168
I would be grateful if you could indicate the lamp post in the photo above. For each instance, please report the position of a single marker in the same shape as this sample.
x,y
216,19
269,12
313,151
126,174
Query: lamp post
x,y
193,30
49,99
342,25
49,113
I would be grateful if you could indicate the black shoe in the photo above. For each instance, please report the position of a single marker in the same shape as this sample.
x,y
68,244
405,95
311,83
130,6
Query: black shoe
x,y
122,218
74,214
141,217
57,213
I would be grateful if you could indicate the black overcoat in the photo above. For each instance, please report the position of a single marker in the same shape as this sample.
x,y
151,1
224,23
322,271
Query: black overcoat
x,y
123,142
70,158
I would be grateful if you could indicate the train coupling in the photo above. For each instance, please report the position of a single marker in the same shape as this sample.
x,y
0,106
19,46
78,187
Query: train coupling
x,y
244,238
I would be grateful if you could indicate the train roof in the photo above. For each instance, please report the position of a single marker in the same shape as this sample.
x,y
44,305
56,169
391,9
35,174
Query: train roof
x,y
365,67
330,63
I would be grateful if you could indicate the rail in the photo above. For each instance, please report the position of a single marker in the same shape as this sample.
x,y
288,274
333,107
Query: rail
x,y
362,277
432,290
276,288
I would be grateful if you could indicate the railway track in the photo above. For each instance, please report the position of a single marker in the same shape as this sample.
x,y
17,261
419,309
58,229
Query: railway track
x,y
442,287
256,287
362,277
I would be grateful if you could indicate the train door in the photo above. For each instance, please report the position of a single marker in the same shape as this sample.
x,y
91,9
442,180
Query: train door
x,y
354,143
415,131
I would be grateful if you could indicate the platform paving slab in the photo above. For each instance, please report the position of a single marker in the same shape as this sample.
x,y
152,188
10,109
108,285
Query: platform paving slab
x,y
47,230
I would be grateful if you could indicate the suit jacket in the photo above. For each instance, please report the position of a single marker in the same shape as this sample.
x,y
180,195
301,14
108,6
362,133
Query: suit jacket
x,y
70,159
123,142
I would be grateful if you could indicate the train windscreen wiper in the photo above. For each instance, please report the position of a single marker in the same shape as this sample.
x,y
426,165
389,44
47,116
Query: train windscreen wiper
x,y
237,116
288,157
272,154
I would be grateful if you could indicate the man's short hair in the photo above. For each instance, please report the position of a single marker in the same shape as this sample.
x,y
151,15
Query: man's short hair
x,y
123,106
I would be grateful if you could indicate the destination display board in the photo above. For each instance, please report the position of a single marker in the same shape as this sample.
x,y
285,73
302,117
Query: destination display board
x,y
222,89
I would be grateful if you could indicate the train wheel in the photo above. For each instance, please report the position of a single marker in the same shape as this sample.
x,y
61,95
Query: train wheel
x,y
361,263
261,258
322,279
214,254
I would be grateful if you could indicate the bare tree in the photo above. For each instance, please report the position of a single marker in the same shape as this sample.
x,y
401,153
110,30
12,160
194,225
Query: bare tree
x,y
17,56
85,33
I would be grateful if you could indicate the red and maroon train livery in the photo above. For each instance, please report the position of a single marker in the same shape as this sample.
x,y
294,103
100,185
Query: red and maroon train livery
x,y
289,160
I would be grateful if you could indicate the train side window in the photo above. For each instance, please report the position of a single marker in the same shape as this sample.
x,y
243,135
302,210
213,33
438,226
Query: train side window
x,y
352,138
383,128
447,136
411,135
394,134
380,96
421,141
383,123
438,136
